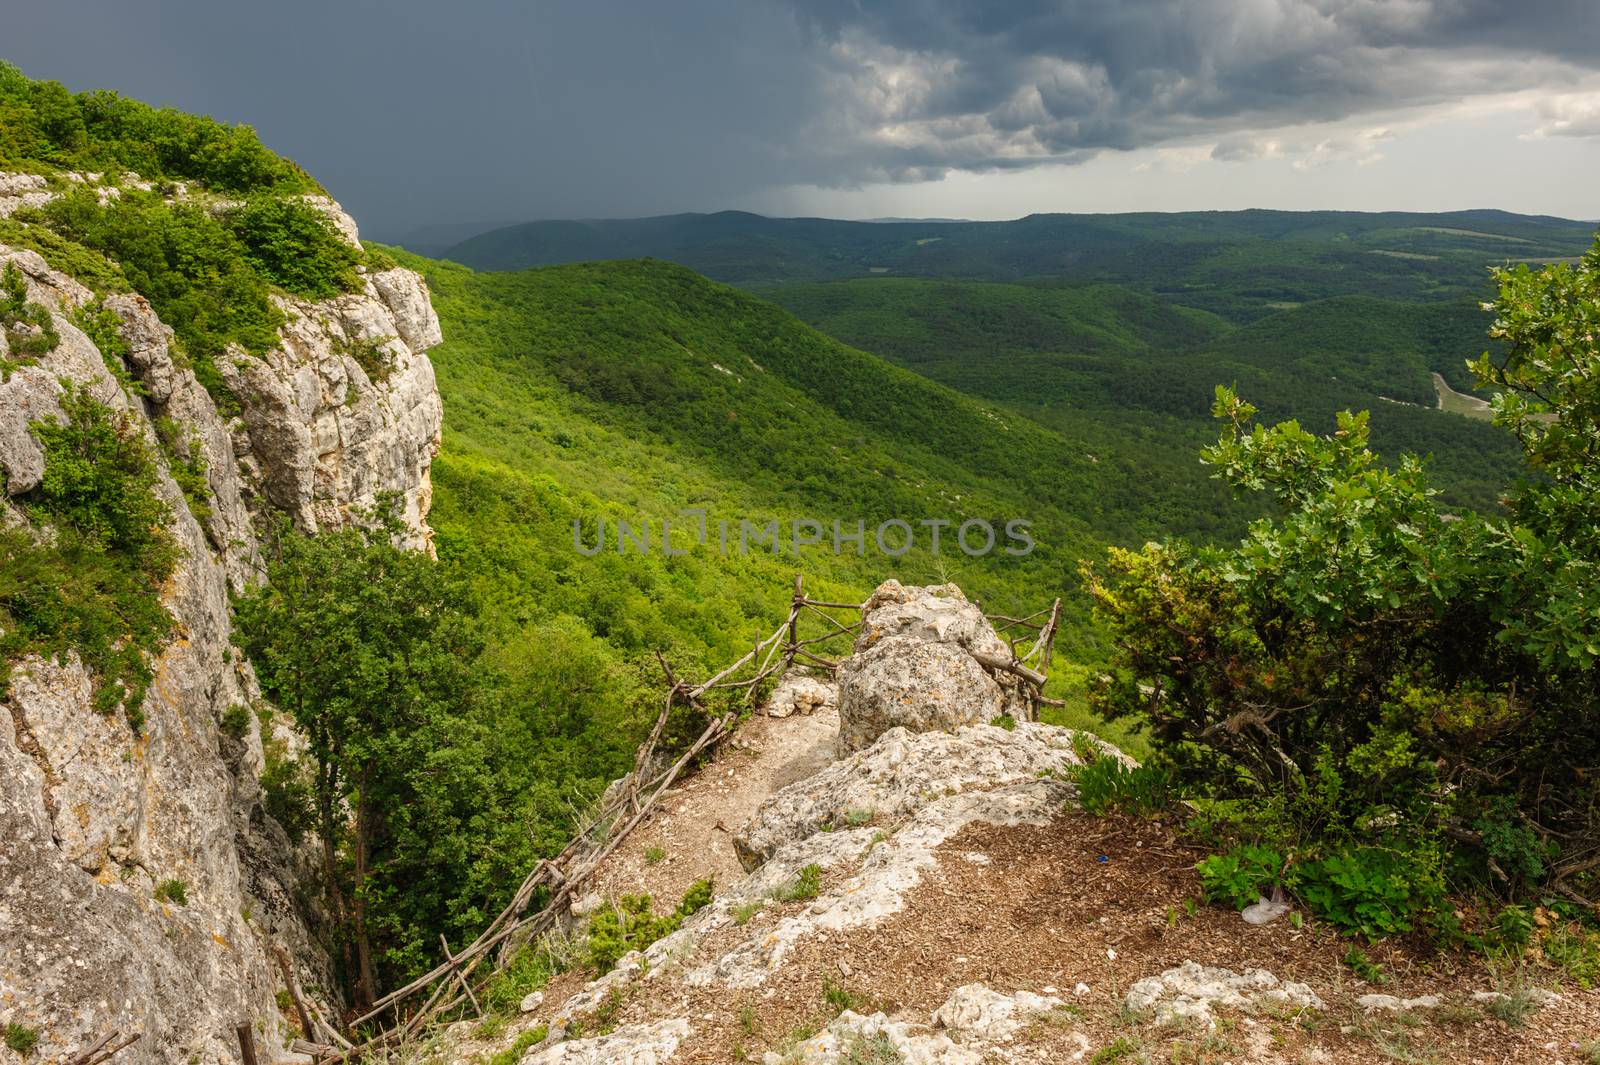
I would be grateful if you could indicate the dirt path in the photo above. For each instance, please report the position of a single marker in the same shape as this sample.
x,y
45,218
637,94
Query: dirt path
x,y
691,837
1460,402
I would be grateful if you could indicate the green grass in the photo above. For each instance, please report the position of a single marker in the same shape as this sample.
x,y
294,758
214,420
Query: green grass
x,y
19,1037
173,891
513,1053
803,888
1460,403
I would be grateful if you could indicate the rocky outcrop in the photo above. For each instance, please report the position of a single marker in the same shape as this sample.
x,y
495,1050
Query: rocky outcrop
x,y
346,410
975,1025
903,772
916,665
635,1044
866,831
1188,993
801,694
20,191
142,887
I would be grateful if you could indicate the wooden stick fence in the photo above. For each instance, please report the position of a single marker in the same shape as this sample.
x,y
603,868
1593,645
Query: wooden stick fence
x,y
565,876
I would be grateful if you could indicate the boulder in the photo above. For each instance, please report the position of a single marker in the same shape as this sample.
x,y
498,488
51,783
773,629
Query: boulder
x,y
914,666
908,682
1187,994
633,1044
935,614
800,694
29,395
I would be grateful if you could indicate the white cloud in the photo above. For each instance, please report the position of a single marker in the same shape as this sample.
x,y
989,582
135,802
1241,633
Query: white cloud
x,y
1575,115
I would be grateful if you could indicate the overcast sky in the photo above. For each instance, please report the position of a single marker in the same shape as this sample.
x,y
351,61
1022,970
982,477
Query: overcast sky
x,y
421,113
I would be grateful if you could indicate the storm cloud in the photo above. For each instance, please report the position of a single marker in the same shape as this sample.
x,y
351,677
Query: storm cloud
x,y
422,115
964,83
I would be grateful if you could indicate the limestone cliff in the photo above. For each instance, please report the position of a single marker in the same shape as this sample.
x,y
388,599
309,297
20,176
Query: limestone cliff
x,y
96,816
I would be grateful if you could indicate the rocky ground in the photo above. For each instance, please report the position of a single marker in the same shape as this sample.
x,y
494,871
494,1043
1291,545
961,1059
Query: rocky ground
x,y
964,911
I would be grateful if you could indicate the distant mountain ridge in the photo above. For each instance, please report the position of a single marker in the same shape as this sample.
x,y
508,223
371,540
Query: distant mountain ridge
x,y
1237,263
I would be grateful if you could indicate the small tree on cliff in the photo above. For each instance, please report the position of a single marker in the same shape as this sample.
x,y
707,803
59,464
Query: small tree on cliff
x,y
372,649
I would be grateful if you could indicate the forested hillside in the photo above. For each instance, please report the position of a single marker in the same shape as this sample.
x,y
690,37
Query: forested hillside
x,y
1136,374
1113,330
631,391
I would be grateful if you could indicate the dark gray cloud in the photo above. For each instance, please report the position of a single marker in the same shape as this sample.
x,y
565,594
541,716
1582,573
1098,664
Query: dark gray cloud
x,y
417,113
1037,79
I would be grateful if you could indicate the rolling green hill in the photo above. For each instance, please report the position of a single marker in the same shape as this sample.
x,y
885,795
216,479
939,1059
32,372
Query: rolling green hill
x,y
632,390
641,388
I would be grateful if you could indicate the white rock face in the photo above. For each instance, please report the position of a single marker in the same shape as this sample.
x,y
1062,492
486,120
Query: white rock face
x,y
29,395
322,438
1394,1003
1188,993
974,1025
22,190
92,816
913,666
990,1016
633,1044
901,773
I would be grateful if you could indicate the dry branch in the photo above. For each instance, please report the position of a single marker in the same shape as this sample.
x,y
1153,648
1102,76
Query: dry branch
x,y
102,1049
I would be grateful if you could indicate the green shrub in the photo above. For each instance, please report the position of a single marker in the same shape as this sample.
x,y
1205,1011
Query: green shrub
x,y
1374,891
17,310
1378,670
94,586
629,925
697,898
1240,876
103,328
175,891
191,267
1512,931
236,721
369,355
839,998
1360,963
1575,951
286,795
61,253
529,970
805,886
614,930
513,1053
41,122
186,462
293,246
